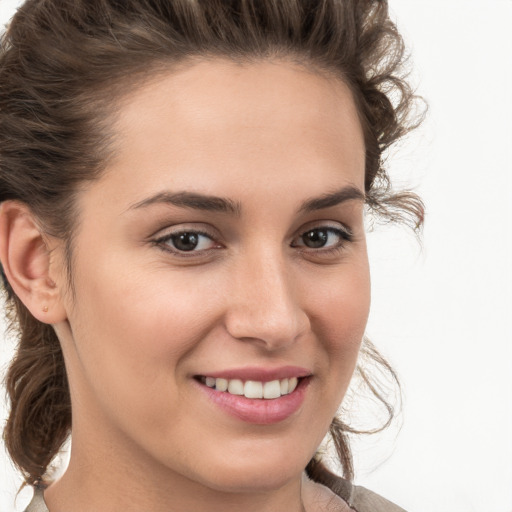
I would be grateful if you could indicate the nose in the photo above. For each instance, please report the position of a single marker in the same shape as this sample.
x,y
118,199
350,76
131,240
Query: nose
x,y
265,305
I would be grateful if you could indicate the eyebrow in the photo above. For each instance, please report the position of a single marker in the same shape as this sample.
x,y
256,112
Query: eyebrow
x,y
331,199
192,200
224,205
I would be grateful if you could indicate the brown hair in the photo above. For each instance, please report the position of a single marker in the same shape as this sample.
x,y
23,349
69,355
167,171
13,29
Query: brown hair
x,y
63,66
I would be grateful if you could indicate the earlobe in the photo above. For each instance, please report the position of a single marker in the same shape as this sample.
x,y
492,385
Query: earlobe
x,y
26,263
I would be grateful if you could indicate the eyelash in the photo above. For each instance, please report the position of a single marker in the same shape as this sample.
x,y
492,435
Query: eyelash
x,y
344,234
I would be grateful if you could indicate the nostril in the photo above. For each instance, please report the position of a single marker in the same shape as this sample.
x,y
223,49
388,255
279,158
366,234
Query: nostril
x,y
272,328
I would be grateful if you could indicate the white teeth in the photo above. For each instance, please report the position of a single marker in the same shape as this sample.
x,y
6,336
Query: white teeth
x,y
236,387
284,387
272,389
253,389
221,384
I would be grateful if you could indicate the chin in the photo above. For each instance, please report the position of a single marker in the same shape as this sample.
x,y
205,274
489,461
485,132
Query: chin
x,y
257,481
254,474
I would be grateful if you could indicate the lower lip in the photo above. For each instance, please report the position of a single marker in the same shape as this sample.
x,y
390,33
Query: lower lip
x,y
259,411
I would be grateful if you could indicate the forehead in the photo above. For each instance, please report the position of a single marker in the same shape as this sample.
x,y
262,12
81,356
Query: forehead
x,y
218,120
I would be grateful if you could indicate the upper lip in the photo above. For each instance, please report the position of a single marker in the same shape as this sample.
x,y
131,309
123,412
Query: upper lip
x,y
260,374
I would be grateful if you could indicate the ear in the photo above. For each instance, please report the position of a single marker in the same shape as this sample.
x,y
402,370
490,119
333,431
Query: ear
x,y
26,263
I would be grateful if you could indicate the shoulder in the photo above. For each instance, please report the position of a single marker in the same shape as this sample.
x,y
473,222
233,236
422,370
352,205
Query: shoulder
x,y
340,495
37,504
364,500
361,499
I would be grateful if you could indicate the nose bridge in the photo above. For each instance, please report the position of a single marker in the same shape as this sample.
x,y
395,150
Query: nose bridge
x,y
265,305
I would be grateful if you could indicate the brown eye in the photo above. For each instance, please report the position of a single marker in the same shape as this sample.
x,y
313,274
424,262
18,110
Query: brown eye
x,y
187,241
323,238
315,238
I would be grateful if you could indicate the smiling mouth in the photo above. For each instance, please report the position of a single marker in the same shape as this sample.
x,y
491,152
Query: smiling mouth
x,y
252,389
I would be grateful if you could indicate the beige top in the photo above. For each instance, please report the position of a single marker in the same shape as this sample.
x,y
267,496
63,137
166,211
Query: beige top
x,y
357,498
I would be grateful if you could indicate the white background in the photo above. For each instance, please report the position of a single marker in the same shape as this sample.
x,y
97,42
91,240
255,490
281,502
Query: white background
x,y
442,313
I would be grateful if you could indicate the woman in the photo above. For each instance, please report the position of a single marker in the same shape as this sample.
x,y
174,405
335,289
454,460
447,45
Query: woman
x,y
183,186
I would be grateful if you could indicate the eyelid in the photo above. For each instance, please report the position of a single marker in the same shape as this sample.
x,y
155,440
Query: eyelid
x,y
344,230
169,234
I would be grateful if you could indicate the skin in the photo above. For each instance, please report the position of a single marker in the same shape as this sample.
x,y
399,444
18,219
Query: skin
x,y
143,320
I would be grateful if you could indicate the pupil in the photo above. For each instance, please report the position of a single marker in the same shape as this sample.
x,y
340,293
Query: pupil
x,y
316,238
186,241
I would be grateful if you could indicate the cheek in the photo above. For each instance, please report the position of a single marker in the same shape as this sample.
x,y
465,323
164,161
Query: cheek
x,y
341,309
130,331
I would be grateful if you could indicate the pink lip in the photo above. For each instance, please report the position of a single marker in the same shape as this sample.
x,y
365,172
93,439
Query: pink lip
x,y
258,411
260,374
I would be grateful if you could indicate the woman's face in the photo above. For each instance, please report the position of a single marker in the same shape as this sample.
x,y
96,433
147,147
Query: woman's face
x,y
223,246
